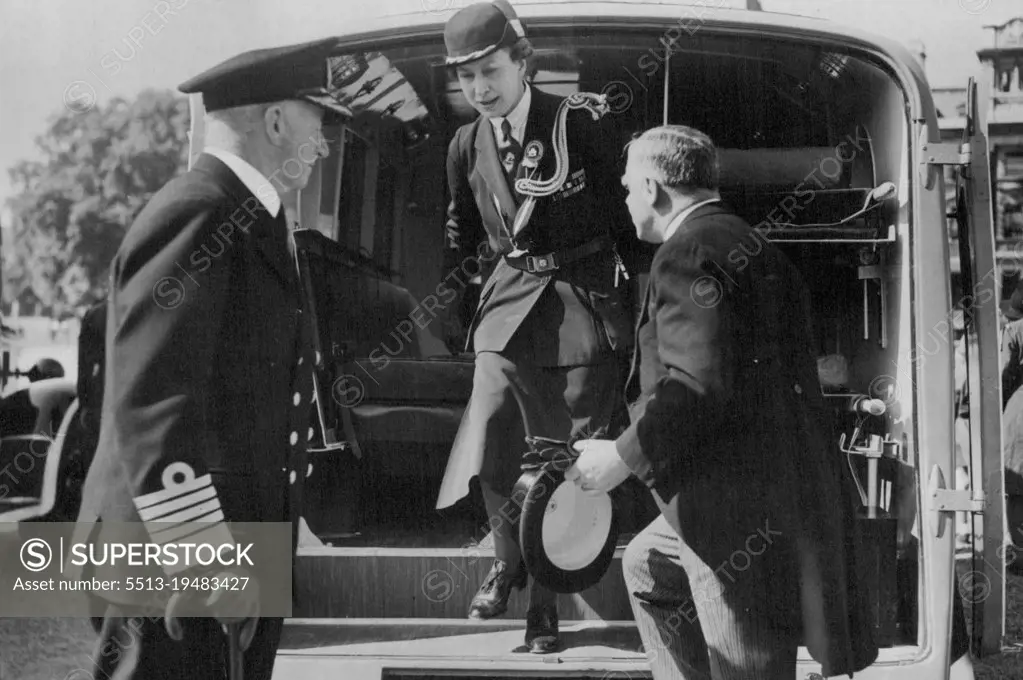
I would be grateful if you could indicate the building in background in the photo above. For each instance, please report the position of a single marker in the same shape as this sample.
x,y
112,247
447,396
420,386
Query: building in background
x,y
1001,76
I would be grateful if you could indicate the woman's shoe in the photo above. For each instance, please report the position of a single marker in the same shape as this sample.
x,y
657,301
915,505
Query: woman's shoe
x,y
492,598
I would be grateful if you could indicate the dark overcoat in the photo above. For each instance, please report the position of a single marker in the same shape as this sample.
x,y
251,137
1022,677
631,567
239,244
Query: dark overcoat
x,y
207,365
731,424
575,315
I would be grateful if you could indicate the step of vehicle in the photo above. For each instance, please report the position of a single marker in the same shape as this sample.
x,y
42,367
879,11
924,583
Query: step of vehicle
x,y
428,583
378,649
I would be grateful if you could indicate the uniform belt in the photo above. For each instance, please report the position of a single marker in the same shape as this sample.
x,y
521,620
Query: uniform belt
x,y
538,264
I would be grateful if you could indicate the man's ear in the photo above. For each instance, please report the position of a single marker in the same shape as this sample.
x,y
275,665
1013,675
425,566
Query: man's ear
x,y
652,191
273,121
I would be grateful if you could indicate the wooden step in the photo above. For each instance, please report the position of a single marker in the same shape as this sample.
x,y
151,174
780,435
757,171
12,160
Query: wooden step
x,y
427,583
375,649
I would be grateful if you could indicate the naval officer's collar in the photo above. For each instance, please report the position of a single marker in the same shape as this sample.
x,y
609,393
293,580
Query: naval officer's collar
x,y
516,117
684,215
253,179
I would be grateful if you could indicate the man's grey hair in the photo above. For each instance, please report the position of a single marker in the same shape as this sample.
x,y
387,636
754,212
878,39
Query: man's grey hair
x,y
677,156
241,119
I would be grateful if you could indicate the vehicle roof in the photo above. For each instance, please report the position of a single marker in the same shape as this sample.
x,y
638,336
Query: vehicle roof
x,y
412,18
428,16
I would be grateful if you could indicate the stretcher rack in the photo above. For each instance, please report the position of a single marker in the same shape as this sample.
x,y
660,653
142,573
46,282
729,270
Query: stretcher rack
x,y
836,216
796,234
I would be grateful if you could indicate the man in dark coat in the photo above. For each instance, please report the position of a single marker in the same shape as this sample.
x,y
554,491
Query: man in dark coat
x,y
752,553
207,361
550,317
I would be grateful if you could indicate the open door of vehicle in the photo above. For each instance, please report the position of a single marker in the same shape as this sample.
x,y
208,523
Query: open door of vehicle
x,y
983,585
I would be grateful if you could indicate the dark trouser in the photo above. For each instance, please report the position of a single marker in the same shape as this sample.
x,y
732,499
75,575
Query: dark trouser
x,y
140,649
691,629
510,401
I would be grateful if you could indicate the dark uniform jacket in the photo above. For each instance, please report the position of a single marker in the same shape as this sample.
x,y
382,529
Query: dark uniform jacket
x,y
207,376
576,312
731,424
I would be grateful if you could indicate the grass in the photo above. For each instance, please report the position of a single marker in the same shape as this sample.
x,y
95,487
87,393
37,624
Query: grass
x,y
45,649
1008,664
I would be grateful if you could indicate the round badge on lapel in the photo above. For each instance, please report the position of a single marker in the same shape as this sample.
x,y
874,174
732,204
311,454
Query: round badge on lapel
x,y
532,154
567,537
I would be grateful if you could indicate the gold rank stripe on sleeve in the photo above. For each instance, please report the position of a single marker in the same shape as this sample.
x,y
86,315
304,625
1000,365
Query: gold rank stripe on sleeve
x,y
163,531
186,507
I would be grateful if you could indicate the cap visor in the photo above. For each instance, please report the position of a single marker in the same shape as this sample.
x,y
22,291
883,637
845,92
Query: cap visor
x,y
325,101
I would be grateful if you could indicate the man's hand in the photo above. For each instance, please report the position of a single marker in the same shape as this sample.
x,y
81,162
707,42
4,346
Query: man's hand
x,y
599,467
227,606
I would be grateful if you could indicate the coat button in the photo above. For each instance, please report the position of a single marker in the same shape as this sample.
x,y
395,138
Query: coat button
x,y
309,470
311,434
95,370
296,399
292,477
798,388
317,357
294,438
300,360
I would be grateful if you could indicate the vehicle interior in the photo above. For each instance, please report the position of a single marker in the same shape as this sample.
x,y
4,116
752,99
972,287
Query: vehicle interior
x,y
813,152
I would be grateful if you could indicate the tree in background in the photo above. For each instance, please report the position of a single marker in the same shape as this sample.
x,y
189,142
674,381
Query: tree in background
x,y
71,209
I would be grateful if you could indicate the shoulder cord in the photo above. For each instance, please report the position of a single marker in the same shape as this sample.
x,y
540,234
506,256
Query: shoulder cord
x,y
597,105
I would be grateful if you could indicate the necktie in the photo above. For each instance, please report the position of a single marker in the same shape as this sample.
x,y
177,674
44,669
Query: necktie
x,y
509,148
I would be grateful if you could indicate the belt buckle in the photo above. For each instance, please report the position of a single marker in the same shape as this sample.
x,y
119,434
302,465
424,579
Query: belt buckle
x,y
538,264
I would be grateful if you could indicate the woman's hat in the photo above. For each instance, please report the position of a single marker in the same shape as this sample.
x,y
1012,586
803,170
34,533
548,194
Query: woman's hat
x,y
480,30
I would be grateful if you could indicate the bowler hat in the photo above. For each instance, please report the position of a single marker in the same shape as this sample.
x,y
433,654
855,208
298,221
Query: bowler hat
x,y
479,30
270,75
567,536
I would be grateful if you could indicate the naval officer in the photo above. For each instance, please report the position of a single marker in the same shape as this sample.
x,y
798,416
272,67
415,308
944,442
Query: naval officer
x,y
207,363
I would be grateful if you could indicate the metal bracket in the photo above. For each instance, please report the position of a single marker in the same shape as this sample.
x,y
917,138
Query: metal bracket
x,y
948,501
882,273
934,155
947,153
956,500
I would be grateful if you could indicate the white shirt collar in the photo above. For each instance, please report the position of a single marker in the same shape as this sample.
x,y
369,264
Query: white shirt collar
x,y
517,117
682,216
253,179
